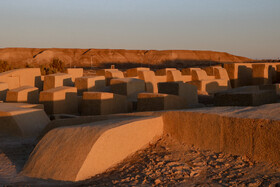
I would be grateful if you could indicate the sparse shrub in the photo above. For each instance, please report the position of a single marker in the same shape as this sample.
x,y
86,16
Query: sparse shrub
x,y
4,66
56,66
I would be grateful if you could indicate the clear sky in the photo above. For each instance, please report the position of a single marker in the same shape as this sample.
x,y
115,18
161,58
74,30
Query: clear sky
x,y
248,28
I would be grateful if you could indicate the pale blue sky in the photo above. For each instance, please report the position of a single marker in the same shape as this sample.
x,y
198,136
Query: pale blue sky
x,y
248,28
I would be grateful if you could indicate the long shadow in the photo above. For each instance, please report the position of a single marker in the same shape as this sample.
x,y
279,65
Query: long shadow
x,y
18,133
179,64
245,76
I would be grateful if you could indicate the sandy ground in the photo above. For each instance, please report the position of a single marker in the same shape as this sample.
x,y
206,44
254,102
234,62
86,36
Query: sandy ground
x,y
165,163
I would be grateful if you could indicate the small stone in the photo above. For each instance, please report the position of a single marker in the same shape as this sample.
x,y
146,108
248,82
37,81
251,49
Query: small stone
x,y
157,181
144,181
135,182
166,157
254,184
171,164
178,172
217,166
193,173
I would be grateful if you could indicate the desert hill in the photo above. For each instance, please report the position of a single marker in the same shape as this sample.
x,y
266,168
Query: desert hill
x,y
20,57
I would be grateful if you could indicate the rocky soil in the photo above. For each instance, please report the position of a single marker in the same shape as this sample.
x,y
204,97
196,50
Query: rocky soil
x,y
164,163
168,163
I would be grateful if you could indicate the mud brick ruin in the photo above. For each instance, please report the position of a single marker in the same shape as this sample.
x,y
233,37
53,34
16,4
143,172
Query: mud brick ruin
x,y
87,124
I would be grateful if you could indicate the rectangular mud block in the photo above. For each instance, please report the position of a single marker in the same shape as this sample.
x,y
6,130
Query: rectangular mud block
x,y
173,75
57,80
186,78
176,75
134,72
17,119
220,73
129,87
210,69
158,101
24,105
247,131
188,71
150,80
244,98
13,82
28,76
24,94
162,72
199,74
240,74
194,128
102,72
22,77
209,87
75,73
262,74
109,75
90,83
60,100
161,78
186,91
101,103
273,87
77,153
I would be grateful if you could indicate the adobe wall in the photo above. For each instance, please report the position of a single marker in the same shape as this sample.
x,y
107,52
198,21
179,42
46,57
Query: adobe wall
x,y
94,147
60,100
22,77
159,101
129,87
150,81
101,103
75,73
224,130
240,74
90,83
134,72
262,74
17,119
56,80
25,94
79,152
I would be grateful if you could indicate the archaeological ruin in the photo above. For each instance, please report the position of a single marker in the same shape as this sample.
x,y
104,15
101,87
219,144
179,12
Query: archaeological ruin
x,y
83,125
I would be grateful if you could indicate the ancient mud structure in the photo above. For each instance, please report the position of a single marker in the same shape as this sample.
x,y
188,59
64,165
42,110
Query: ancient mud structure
x,y
114,113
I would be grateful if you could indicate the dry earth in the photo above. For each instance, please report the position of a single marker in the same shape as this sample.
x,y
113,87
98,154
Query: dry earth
x,y
164,163
20,57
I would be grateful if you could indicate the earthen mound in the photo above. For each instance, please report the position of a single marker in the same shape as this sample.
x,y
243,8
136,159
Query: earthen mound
x,y
20,57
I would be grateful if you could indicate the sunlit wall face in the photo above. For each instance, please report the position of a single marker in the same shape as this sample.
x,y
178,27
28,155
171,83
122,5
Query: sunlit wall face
x,y
248,28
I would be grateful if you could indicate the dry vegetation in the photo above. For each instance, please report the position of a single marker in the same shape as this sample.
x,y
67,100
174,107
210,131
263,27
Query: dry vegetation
x,y
4,66
57,65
